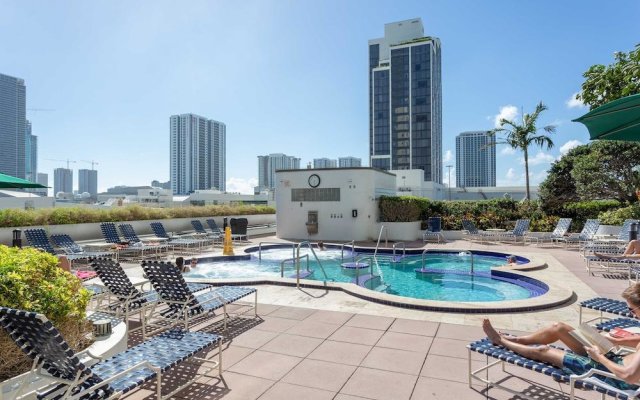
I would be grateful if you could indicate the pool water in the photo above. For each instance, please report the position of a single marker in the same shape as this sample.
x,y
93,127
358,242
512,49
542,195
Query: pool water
x,y
448,277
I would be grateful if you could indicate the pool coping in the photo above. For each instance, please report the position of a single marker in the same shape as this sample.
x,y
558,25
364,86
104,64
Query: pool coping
x,y
556,295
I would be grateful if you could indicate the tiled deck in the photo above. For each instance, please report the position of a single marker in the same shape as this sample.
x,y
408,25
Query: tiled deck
x,y
312,344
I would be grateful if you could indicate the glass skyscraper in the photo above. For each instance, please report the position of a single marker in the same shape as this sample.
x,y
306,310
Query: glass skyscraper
x,y
13,126
267,166
324,163
405,100
475,160
349,162
198,154
31,154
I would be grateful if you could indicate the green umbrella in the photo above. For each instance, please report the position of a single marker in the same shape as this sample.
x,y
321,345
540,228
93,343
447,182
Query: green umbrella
x,y
11,182
616,120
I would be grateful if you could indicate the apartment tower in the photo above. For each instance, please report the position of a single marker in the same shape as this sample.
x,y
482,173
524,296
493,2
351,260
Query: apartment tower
x,y
198,153
13,126
88,182
405,100
475,160
267,166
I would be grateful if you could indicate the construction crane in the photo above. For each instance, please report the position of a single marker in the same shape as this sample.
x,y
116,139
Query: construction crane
x,y
91,162
67,161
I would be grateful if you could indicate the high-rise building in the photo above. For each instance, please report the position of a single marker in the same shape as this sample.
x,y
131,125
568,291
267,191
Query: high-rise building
x,y
405,100
198,153
62,181
31,154
324,163
349,162
13,120
475,160
42,179
88,181
267,166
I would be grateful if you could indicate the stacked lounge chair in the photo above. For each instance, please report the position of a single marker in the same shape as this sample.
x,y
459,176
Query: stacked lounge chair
x,y
109,378
239,228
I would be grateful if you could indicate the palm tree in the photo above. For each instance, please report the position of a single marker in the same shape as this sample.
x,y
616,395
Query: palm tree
x,y
521,136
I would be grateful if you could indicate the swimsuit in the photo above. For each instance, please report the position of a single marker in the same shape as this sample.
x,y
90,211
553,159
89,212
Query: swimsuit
x,y
576,364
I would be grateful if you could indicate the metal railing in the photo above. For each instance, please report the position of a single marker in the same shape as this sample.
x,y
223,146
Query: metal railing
x,y
423,259
375,253
294,261
293,248
404,249
297,256
361,260
470,254
353,250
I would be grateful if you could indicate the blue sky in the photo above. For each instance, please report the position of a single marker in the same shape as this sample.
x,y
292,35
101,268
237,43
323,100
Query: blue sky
x,y
288,76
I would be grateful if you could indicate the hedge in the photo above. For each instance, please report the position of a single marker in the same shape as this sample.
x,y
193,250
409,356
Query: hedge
x,y
77,215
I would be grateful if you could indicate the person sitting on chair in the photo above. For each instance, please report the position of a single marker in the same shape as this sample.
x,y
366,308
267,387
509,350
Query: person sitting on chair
x,y
180,264
581,358
632,251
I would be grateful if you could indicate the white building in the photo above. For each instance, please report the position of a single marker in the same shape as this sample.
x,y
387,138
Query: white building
x,y
338,204
143,195
198,153
24,200
475,159
267,166
214,197
349,162
324,163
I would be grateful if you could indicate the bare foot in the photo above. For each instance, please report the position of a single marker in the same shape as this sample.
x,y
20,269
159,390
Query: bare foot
x,y
492,334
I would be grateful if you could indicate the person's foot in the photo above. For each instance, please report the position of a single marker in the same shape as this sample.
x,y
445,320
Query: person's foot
x,y
492,334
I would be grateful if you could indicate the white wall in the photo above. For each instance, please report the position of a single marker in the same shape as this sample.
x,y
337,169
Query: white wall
x,y
359,190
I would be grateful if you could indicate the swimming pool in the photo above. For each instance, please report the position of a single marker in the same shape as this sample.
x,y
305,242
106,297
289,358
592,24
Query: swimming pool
x,y
446,276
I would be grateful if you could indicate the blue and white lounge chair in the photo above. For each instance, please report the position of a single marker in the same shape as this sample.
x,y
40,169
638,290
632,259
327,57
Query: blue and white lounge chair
x,y
214,227
593,380
561,229
433,231
168,281
176,242
110,378
518,232
37,238
588,231
70,247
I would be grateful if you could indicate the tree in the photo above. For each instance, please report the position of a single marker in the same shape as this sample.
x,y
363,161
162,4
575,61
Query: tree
x,y
608,172
606,83
521,136
596,171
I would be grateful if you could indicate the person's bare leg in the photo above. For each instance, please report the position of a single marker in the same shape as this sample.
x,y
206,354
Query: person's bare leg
x,y
632,248
542,353
558,331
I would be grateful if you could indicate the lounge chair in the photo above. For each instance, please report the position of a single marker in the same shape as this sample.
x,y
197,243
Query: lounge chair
x,y
561,229
603,305
612,245
110,378
239,228
518,232
136,246
168,281
70,247
588,231
202,232
214,227
176,242
433,231
470,232
502,356
37,238
127,297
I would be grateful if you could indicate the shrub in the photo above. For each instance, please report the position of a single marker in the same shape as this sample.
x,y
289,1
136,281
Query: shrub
x,y
31,280
399,208
617,217
76,215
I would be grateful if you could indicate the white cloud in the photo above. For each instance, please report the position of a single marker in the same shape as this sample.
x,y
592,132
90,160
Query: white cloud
x,y
241,185
540,158
511,174
573,102
448,156
507,151
446,177
508,112
564,149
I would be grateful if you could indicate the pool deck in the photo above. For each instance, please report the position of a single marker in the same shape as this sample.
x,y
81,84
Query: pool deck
x,y
317,344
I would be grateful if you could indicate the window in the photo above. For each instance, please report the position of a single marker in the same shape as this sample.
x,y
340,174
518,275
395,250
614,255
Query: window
x,y
315,194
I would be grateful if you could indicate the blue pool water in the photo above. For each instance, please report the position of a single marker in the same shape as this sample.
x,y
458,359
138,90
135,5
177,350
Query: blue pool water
x,y
447,278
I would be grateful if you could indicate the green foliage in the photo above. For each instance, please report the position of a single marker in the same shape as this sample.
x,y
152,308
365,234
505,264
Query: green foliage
x,y
606,83
583,210
32,280
60,216
599,170
617,216
521,136
400,208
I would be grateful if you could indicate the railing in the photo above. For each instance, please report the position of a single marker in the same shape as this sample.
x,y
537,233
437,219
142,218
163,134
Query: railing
x,y
295,260
423,259
361,260
470,254
404,249
375,253
293,248
297,256
353,250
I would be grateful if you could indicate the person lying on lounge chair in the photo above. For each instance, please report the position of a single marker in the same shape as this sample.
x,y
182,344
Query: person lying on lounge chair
x,y
536,347
632,251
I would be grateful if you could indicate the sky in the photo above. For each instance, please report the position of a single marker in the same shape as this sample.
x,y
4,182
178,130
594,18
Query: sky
x,y
103,77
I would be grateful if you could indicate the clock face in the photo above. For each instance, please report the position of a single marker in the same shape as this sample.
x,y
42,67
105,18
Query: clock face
x,y
314,180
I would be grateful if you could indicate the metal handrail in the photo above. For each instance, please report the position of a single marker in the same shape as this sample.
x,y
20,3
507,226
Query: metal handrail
x,y
404,248
375,253
293,247
471,255
361,259
294,259
353,250
326,278
423,262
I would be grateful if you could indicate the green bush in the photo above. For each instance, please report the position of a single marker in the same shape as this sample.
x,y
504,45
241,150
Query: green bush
x,y
617,217
400,208
76,215
32,280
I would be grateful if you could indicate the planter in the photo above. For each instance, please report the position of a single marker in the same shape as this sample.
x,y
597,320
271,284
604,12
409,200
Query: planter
x,y
400,231
84,232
